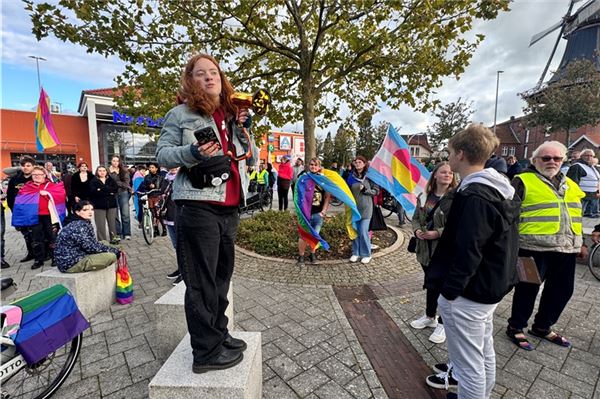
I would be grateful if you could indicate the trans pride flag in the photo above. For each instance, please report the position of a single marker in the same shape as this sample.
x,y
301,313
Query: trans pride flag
x,y
333,183
394,170
45,136
50,319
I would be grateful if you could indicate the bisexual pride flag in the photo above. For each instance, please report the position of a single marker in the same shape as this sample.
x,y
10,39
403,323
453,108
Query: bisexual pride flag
x,y
27,203
394,170
45,136
50,319
331,182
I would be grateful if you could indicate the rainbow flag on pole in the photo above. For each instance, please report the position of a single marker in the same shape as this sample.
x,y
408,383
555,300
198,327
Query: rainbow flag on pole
x,y
394,170
50,319
331,182
45,136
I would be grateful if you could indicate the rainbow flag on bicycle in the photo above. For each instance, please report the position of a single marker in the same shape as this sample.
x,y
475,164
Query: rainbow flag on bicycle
x,y
49,319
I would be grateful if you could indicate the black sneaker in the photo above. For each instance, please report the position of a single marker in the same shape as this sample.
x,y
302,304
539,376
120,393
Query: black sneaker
x,y
312,258
178,280
300,261
441,381
173,275
37,264
5,264
441,368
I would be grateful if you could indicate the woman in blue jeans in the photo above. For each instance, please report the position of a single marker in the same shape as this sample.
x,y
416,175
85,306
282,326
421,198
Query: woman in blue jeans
x,y
120,174
363,191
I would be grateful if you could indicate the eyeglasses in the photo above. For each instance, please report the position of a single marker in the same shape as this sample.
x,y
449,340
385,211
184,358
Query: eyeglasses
x,y
547,158
312,164
38,174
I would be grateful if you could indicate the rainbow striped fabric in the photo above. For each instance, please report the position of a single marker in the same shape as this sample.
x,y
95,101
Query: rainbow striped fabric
x,y
124,286
394,170
26,208
45,136
50,319
331,182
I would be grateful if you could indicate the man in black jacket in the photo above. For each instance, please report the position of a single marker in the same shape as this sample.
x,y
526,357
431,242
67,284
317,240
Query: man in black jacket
x,y
474,263
14,185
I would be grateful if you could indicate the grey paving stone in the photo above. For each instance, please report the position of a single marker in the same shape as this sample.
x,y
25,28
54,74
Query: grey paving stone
x,y
524,368
114,380
332,390
138,356
358,387
88,388
289,345
270,351
336,370
567,383
284,367
145,372
580,370
125,345
310,357
545,390
139,390
93,353
308,381
276,388
100,366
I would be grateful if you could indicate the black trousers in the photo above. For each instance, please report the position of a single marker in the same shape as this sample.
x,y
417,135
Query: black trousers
x,y
43,238
206,256
558,271
431,298
283,188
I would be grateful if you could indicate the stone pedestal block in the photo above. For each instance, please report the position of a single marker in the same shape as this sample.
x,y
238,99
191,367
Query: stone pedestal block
x,y
175,379
171,325
93,291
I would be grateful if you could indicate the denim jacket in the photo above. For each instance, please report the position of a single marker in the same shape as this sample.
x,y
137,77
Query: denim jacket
x,y
175,148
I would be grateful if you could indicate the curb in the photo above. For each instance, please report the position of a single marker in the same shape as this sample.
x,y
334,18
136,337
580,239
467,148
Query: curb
x,y
400,237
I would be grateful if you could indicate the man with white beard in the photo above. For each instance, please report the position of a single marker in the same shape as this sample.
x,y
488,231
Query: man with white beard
x,y
550,232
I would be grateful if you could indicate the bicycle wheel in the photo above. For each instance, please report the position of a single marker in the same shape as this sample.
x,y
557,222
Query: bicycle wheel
x,y
147,227
43,379
335,202
594,261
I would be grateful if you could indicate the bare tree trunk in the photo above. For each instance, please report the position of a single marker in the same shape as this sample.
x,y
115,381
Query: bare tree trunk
x,y
308,116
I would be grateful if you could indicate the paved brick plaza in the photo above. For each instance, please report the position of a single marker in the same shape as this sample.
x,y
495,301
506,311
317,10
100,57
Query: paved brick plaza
x,y
309,348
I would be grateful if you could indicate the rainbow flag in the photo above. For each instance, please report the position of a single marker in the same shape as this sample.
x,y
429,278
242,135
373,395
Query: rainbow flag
x,y
394,170
50,319
331,182
26,208
45,136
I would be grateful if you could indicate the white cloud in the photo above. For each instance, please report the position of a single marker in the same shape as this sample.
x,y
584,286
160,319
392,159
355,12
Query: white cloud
x,y
63,59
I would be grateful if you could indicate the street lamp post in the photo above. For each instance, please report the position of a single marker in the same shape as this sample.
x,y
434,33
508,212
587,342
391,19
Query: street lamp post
x,y
37,64
496,104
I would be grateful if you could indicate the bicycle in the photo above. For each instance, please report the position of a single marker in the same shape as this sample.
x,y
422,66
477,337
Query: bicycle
x,y
37,381
594,261
148,216
388,205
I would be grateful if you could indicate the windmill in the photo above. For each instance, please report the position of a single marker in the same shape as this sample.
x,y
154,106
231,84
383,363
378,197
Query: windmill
x,y
582,32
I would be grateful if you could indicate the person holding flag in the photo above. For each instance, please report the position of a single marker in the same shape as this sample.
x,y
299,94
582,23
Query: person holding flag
x,y
363,190
318,210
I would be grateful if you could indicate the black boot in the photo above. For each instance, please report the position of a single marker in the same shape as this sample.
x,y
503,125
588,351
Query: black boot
x,y
5,264
37,264
27,258
156,232
227,358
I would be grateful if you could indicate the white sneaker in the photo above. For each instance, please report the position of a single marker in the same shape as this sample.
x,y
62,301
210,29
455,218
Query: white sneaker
x,y
439,334
374,246
354,258
365,260
423,322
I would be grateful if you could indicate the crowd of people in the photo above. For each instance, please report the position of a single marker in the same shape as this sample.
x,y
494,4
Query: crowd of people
x,y
471,225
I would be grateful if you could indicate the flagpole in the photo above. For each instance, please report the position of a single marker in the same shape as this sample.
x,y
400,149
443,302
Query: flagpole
x,y
37,64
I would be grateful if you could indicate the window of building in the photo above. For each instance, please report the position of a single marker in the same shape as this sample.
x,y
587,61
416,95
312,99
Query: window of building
x,y
60,161
511,151
414,151
504,151
133,147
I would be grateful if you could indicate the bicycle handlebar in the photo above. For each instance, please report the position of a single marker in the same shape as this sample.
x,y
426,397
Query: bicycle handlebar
x,y
147,192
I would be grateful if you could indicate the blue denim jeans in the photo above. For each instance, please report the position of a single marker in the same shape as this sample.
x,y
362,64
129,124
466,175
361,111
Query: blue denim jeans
x,y
172,231
123,224
590,206
361,246
316,221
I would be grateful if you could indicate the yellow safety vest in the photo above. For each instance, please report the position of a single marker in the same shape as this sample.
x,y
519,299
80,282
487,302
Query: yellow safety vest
x,y
541,207
261,176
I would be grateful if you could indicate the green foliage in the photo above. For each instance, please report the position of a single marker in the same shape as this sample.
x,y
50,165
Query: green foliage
x,y
451,119
369,139
344,143
569,103
314,57
328,150
273,233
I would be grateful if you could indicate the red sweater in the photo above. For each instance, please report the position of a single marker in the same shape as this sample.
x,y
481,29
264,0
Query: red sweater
x,y
285,171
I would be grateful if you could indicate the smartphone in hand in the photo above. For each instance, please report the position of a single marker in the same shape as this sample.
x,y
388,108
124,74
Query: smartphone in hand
x,y
205,135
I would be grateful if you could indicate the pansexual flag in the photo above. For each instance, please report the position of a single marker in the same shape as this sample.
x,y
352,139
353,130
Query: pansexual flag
x,y
50,319
394,170
331,182
45,136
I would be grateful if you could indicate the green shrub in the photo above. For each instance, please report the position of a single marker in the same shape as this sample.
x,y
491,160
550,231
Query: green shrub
x,y
273,233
